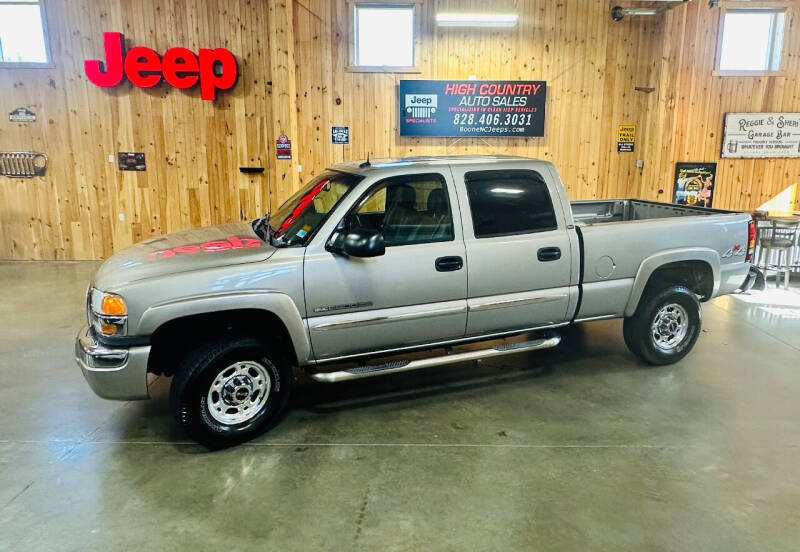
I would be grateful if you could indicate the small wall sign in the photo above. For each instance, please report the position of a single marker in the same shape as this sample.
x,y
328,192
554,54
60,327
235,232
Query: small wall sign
x,y
750,135
283,147
694,184
22,115
131,161
626,138
340,135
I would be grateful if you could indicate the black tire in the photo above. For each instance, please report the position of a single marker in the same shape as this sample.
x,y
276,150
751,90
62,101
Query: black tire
x,y
637,329
191,385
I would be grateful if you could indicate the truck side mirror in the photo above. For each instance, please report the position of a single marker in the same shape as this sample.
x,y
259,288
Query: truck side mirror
x,y
364,242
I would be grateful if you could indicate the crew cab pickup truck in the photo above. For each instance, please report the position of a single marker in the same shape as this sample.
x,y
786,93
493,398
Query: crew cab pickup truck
x,y
394,265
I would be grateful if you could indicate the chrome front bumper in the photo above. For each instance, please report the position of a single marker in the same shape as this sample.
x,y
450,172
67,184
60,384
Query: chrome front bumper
x,y
119,374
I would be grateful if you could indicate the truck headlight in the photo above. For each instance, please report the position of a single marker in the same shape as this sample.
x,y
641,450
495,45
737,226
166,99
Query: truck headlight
x,y
108,313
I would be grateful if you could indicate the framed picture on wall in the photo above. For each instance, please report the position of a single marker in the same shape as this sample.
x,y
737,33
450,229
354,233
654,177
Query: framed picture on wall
x,y
694,184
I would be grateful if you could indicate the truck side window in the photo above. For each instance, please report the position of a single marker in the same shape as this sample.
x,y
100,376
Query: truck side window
x,y
408,210
509,202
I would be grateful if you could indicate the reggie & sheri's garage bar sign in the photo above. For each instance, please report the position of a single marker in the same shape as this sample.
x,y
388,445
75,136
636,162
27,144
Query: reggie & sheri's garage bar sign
x,y
214,69
754,135
472,108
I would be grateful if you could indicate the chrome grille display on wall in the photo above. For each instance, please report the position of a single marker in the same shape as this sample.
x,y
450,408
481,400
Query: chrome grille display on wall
x,y
22,164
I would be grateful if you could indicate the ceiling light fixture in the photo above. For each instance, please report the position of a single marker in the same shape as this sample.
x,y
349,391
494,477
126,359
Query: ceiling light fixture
x,y
476,19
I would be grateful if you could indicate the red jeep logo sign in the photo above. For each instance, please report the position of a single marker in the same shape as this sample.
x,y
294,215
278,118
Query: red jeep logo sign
x,y
214,69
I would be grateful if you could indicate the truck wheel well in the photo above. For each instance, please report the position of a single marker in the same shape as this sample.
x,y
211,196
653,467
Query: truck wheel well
x,y
695,275
173,339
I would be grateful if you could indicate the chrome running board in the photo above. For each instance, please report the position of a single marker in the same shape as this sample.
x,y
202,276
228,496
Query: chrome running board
x,y
407,365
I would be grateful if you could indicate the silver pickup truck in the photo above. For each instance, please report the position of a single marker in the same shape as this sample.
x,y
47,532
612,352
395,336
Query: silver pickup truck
x,y
383,267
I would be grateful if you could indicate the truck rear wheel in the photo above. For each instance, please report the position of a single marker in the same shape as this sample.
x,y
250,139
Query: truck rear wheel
x,y
665,326
230,390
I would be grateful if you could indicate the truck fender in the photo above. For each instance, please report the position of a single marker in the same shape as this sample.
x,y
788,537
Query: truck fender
x,y
657,260
277,303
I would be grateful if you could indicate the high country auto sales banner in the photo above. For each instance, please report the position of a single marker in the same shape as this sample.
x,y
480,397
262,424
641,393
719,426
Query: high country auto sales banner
x,y
472,108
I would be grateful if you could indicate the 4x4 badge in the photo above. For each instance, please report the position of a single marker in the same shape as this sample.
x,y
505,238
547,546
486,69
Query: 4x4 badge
x,y
737,250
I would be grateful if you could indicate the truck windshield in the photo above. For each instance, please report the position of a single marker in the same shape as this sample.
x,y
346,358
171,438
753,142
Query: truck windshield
x,y
295,221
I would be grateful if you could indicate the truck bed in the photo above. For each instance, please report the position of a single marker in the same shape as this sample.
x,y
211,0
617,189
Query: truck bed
x,y
614,254
623,210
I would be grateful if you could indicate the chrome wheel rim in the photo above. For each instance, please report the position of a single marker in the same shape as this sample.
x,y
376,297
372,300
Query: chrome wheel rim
x,y
670,326
239,392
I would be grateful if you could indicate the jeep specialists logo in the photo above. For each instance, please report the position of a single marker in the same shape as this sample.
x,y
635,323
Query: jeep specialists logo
x,y
421,106
213,69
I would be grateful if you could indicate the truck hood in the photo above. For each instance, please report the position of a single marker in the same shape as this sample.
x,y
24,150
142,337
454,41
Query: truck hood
x,y
184,251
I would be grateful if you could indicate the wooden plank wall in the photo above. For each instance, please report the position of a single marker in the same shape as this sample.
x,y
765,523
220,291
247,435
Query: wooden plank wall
x,y
687,121
591,66
84,208
292,55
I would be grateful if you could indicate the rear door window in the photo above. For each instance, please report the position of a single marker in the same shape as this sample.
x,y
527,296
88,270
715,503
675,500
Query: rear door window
x,y
505,203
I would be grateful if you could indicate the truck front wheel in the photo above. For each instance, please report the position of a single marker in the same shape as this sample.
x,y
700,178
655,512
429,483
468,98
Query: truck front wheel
x,y
665,326
230,390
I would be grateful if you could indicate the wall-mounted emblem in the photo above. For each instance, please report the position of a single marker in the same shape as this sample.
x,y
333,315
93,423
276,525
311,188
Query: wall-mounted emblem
x,y
22,115
131,161
340,135
214,69
283,147
626,138
22,164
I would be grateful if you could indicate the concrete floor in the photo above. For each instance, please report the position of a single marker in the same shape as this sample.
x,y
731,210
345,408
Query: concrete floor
x,y
577,449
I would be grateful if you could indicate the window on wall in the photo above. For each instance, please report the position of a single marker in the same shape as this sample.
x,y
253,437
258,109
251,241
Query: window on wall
x,y
751,41
23,34
384,36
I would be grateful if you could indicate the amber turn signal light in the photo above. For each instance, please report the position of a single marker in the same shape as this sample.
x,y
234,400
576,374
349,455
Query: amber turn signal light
x,y
108,329
113,305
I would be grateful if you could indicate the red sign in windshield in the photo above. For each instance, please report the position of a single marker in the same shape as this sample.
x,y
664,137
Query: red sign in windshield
x,y
304,202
